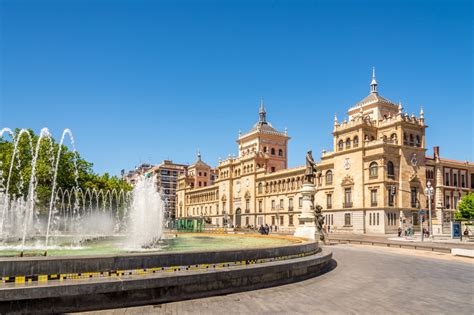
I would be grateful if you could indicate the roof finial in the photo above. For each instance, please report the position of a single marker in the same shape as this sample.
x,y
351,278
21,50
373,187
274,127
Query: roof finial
x,y
422,113
373,84
262,113
335,119
400,108
199,155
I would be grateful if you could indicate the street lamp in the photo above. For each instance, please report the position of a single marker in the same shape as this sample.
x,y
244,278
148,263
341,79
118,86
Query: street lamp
x,y
429,192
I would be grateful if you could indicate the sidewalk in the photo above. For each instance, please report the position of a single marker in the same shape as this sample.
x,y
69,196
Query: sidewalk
x,y
394,239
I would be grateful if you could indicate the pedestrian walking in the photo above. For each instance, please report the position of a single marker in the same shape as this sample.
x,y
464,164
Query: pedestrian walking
x,y
399,231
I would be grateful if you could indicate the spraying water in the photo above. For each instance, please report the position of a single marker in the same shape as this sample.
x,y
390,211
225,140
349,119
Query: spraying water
x,y
146,214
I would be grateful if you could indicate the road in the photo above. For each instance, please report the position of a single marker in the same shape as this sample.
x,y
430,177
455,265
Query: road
x,y
366,280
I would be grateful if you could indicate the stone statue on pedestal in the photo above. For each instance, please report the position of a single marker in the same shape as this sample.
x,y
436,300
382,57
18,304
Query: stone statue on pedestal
x,y
307,223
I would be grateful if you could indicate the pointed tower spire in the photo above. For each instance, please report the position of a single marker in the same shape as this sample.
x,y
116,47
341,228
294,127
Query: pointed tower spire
x,y
335,119
373,84
262,113
422,113
199,155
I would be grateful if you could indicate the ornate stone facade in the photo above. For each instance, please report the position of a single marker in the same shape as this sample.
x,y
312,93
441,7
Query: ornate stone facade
x,y
372,182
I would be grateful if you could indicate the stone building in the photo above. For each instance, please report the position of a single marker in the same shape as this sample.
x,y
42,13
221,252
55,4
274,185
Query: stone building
x,y
373,181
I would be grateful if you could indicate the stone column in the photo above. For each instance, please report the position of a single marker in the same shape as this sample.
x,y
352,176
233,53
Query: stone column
x,y
307,227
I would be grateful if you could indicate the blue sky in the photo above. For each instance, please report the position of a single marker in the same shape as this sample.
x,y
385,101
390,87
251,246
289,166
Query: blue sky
x,y
142,81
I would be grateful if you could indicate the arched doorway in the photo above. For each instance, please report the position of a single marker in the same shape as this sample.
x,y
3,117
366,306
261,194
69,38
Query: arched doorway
x,y
238,218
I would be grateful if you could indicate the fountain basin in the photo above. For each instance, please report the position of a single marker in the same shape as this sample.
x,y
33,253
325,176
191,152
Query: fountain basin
x,y
62,284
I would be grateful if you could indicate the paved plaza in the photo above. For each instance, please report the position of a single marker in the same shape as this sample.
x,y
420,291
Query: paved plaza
x,y
367,280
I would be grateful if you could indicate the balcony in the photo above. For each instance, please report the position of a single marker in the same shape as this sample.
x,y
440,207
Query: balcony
x,y
347,205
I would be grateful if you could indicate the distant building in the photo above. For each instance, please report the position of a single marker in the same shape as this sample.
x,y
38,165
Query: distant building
x,y
373,181
166,174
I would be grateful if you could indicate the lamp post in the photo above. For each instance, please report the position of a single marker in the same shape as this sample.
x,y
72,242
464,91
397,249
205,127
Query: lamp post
x,y
429,192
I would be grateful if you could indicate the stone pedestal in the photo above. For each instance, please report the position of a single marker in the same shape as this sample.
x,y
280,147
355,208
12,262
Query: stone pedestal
x,y
307,227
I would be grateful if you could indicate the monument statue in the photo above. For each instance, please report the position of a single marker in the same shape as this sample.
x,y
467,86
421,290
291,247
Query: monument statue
x,y
309,174
319,220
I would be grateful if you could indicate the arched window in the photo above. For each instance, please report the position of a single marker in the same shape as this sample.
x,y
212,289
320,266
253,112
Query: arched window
x,y
355,142
328,177
265,149
390,170
280,152
273,151
341,145
373,169
417,141
348,143
394,139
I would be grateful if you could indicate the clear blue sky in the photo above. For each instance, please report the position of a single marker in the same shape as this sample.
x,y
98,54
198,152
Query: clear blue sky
x,y
144,81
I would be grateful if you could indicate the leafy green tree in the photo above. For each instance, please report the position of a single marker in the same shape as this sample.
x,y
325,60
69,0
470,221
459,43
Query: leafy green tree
x,y
466,207
66,175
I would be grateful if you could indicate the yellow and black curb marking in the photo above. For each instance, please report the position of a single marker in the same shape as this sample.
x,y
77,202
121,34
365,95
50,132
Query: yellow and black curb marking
x,y
145,271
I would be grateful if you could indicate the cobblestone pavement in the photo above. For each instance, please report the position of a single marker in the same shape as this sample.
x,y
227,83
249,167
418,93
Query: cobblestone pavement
x,y
367,280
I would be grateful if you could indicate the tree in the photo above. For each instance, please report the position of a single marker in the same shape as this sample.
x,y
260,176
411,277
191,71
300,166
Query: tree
x,y
466,208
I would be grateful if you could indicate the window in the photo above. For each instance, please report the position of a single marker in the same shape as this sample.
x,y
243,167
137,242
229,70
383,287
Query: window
x,y
300,202
260,188
414,198
348,143
273,169
200,174
405,139
329,201
290,219
393,138
281,203
472,181
282,220
390,170
273,151
273,204
329,178
199,184
347,219
373,197
446,179
412,141
373,170
463,180
280,152
417,141
355,142
347,198
290,204
260,206
247,205
341,145
455,179
447,203
265,149
391,198
273,220
455,202
247,223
